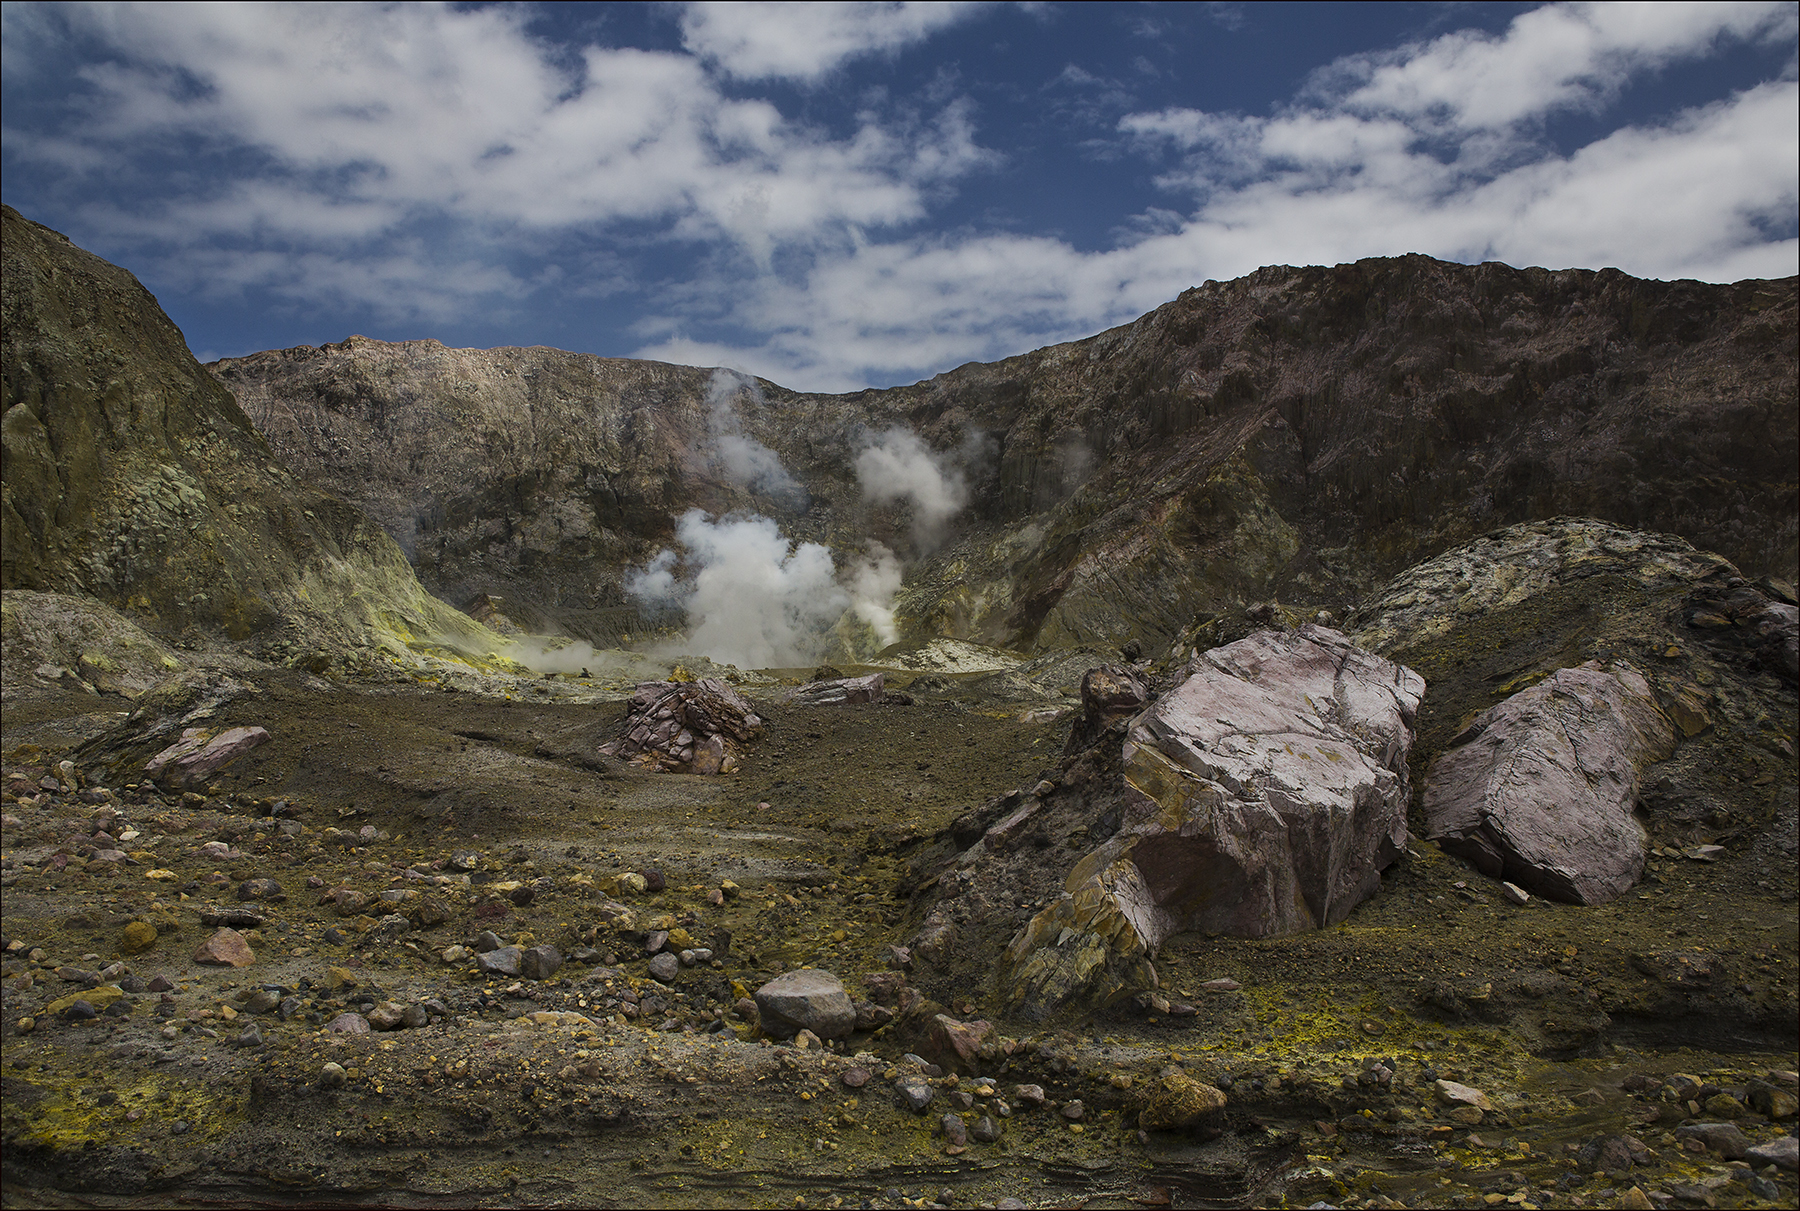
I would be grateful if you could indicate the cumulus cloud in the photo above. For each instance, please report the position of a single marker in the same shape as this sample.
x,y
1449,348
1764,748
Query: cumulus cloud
x,y
805,42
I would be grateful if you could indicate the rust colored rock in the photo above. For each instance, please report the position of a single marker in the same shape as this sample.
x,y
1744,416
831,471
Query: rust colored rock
x,y
954,1044
200,753
1539,789
226,948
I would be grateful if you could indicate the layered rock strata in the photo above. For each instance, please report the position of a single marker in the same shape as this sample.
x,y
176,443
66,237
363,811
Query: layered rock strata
x,y
691,727
1540,789
1263,796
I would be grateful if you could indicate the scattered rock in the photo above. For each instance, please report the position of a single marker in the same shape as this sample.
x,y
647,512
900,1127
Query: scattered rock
x,y
1452,1094
540,962
665,967
985,1130
956,1045
1515,894
1783,1153
260,889
1074,1110
956,1132
506,961
1179,1101
854,1078
386,1016
1540,789
332,1075
913,1093
139,937
226,948
840,691
809,999
348,1023
1029,1095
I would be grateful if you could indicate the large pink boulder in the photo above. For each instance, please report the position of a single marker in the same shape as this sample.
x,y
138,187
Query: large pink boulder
x,y
200,753
1539,790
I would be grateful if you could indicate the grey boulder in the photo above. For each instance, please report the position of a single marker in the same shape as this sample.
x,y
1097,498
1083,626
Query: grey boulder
x,y
1539,789
809,999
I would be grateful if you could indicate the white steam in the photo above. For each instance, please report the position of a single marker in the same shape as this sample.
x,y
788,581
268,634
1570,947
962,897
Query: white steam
x,y
873,585
755,599
740,457
898,465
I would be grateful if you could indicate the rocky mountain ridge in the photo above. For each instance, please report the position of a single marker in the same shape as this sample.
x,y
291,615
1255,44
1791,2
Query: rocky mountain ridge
x,y
1297,433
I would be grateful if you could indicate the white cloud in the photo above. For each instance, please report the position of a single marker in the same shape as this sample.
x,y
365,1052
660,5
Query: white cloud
x,y
808,41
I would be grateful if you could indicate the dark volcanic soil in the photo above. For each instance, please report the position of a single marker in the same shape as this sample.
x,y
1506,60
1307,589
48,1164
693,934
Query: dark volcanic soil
x,y
664,1095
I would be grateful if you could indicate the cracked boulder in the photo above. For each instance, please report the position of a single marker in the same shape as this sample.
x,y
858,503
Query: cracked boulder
x,y
1264,795
1540,789
688,727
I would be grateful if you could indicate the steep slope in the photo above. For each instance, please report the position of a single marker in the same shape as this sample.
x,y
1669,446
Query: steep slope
x,y
132,477
1298,432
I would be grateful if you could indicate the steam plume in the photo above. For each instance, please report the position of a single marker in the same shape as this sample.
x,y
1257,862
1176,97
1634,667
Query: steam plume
x,y
740,457
898,465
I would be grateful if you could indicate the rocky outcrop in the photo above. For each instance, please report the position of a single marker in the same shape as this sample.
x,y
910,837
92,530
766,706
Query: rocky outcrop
x,y
1264,795
690,727
1539,791
839,691
1304,433
132,477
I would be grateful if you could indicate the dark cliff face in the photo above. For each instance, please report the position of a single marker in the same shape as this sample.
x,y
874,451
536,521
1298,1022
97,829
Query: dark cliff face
x,y
132,476
1298,432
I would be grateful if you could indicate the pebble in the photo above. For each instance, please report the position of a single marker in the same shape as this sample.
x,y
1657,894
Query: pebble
x,y
263,1000
1073,1110
913,1093
160,984
854,1078
485,941
956,1132
1516,894
348,1023
1029,1095
986,1130
251,1038
81,1011
540,962
414,1017
386,1016
226,948
260,889
139,937
457,954
332,1075
665,967
506,961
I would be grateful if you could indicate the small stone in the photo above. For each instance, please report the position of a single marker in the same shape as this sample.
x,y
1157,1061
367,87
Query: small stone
x,y
1029,1095
986,1130
1225,984
429,912
1723,1138
1073,1110
1453,1094
1724,1106
332,1075
414,1017
653,879
263,1000
485,941
334,937
665,967
521,897
632,884
957,1044
540,962
251,1038
350,902
466,859
226,948
1635,1199
260,889
1468,1116
289,1008
806,1040
133,984
1179,1101
956,1132
1516,894
456,954
854,1078
1783,1153
160,983
139,937
80,1011
340,977
390,928
386,1016
506,961
913,1093
348,1023
655,941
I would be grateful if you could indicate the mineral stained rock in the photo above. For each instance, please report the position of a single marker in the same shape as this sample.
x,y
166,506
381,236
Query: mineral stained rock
x,y
1539,790
200,753
1264,796
693,727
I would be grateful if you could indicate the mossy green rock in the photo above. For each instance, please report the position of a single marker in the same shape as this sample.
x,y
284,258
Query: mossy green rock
x,y
132,477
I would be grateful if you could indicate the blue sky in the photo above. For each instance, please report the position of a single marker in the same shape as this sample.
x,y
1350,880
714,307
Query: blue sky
x,y
845,195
